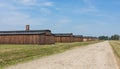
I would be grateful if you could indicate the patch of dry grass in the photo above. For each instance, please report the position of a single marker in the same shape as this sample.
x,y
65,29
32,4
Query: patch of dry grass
x,y
116,47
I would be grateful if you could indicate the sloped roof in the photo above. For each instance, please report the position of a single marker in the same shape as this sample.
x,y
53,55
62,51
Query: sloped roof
x,y
23,32
78,36
90,37
63,34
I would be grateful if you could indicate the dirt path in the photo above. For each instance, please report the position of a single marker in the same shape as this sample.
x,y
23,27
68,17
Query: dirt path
x,y
96,56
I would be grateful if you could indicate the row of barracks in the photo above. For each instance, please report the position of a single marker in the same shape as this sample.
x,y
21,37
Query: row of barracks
x,y
39,37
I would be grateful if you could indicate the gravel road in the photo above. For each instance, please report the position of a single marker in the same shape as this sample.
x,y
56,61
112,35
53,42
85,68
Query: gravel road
x,y
95,56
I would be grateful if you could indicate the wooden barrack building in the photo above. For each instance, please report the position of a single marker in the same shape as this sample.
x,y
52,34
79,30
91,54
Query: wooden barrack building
x,y
64,37
78,38
27,37
89,38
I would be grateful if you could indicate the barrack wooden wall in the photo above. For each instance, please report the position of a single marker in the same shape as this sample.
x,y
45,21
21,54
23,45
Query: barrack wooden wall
x,y
27,39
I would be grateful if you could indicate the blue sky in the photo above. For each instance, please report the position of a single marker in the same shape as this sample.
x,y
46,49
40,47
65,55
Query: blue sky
x,y
84,17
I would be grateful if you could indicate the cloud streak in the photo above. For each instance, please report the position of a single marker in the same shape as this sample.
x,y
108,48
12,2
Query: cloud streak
x,y
88,7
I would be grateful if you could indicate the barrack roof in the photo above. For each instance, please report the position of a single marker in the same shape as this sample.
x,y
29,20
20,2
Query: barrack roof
x,y
24,32
78,35
63,34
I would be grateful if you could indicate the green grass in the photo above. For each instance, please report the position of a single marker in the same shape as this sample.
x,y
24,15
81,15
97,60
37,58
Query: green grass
x,y
116,47
13,54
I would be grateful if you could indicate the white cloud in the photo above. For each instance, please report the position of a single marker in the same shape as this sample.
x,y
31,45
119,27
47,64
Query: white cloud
x,y
89,7
62,22
87,10
28,2
12,17
65,21
35,3
47,4
45,11
89,3
4,5
16,18
7,6
10,14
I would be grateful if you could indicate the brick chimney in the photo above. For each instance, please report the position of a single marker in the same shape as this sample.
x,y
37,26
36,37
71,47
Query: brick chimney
x,y
27,27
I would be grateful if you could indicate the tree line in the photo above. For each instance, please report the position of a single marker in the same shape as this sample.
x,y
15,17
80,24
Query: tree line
x,y
113,37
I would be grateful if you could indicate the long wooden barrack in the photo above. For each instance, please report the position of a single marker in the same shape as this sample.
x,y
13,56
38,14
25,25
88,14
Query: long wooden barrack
x,y
39,37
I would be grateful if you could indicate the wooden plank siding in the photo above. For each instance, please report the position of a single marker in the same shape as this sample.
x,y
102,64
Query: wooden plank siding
x,y
26,39
89,38
49,39
64,38
78,39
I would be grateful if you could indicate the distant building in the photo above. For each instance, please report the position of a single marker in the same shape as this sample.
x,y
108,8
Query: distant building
x,y
78,38
89,38
64,37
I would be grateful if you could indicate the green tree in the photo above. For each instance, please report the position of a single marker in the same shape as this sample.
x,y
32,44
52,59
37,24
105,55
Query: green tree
x,y
115,37
103,38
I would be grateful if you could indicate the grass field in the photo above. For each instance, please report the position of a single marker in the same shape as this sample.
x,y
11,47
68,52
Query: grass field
x,y
13,54
116,47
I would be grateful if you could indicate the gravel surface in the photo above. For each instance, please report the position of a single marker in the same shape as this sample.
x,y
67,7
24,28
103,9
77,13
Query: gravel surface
x,y
95,56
